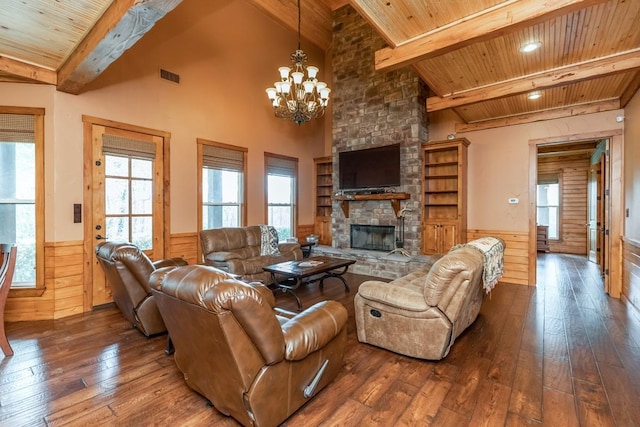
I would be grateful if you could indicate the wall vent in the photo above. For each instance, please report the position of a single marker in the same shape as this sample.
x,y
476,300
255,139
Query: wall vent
x,y
168,75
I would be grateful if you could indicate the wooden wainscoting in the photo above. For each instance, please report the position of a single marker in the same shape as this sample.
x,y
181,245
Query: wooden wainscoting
x,y
63,295
516,254
185,245
631,272
64,273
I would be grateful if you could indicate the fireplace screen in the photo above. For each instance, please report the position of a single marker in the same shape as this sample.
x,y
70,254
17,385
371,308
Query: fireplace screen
x,y
373,237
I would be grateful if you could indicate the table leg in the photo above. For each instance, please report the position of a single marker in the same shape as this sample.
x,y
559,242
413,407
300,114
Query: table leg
x,y
285,288
337,275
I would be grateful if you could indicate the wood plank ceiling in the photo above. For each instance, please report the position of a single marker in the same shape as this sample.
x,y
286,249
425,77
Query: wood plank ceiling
x,y
467,52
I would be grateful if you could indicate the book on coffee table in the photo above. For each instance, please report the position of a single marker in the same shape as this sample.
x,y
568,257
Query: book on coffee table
x,y
309,263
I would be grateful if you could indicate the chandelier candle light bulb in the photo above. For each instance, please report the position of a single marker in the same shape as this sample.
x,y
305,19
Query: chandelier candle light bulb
x,y
297,98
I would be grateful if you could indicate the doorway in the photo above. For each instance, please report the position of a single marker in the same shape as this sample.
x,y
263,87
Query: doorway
x,y
125,195
579,231
597,189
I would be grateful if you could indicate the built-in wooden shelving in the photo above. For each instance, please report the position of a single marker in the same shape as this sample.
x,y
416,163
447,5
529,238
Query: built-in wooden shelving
x,y
444,188
324,191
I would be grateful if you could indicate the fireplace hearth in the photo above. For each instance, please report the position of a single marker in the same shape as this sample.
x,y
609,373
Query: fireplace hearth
x,y
373,237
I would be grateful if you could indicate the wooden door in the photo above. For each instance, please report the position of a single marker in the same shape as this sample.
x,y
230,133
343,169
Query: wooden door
x,y
593,205
430,238
127,204
448,237
602,214
323,229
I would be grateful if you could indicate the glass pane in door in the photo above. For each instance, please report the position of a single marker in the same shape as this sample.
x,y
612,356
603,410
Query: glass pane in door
x,y
129,200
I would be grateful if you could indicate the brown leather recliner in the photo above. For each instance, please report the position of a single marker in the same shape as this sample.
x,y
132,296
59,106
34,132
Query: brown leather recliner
x,y
127,269
234,348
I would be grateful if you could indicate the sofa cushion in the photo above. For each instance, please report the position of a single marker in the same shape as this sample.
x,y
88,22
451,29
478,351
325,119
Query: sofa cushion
x,y
269,241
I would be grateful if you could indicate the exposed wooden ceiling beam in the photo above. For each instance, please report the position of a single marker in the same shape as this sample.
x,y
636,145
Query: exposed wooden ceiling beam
x,y
564,148
554,113
122,25
544,80
630,91
336,4
509,16
316,22
27,71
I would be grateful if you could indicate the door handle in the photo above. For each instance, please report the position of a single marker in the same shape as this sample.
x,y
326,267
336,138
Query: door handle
x,y
100,237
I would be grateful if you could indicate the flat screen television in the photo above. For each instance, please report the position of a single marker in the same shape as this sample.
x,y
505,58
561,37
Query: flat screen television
x,y
370,168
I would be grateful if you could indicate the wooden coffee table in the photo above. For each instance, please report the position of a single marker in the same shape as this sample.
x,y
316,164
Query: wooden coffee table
x,y
288,276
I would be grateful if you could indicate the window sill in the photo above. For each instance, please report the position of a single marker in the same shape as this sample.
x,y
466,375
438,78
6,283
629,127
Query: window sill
x,y
26,292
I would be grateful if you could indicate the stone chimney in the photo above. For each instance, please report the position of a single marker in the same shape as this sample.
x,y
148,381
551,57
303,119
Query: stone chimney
x,y
370,109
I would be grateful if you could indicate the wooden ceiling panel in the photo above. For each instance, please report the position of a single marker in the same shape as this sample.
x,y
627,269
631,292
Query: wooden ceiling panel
x,y
403,20
45,32
315,18
499,59
466,51
587,92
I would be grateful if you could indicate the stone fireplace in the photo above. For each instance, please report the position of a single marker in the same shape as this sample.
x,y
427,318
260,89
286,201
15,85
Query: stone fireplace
x,y
372,109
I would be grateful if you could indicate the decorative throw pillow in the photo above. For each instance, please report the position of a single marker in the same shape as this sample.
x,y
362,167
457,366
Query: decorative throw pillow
x,y
269,240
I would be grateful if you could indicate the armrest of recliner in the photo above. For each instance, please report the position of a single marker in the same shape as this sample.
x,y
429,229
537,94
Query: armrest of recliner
x,y
222,256
312,329
286,247
170,262
393,294
230,262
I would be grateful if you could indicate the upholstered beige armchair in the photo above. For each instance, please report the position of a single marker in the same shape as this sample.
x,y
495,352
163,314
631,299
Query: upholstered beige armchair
x,y
421,314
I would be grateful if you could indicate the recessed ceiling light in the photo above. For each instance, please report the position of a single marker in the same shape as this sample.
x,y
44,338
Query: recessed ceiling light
x,y
530,47
534,95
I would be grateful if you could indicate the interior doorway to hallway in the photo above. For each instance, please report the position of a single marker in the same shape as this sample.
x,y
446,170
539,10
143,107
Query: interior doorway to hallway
x,y
586,220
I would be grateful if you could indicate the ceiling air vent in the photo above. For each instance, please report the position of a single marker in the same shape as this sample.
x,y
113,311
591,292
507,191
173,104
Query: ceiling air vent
x,y
168,75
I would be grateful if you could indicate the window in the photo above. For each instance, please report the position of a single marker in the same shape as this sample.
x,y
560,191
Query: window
x,y
128,183
21,194
222,170
548,201
281,180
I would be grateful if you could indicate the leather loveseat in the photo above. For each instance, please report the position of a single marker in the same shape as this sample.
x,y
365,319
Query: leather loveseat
x,y
250,360
243,251
421,314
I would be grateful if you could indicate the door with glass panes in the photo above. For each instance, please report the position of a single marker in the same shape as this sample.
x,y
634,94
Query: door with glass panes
x,y
128,201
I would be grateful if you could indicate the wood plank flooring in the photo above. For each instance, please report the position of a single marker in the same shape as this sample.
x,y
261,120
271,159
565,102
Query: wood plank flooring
x,y
559,354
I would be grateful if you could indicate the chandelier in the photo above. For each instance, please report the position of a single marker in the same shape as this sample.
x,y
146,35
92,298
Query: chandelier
x,y
299,96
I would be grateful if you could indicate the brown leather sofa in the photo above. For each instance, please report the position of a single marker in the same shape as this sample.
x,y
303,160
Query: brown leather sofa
x,y
249,360
127,269
421,314
240,251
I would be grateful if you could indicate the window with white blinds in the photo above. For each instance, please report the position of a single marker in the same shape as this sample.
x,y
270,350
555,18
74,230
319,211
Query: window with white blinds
x,y
222,185
18,193
281,177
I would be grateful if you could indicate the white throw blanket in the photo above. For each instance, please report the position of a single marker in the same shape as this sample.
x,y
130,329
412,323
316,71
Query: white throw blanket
x,y
492,250
269,240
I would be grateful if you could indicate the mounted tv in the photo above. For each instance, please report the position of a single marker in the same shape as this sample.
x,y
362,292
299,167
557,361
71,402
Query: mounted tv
x,y
370,168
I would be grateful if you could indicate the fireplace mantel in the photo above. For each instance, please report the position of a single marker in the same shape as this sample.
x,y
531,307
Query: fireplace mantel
x,y
394,198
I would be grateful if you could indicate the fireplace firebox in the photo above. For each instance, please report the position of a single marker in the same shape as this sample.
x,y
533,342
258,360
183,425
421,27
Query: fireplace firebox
x,y
373,237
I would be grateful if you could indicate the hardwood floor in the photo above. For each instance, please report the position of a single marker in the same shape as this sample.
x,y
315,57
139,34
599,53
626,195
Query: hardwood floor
x,y
560,354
